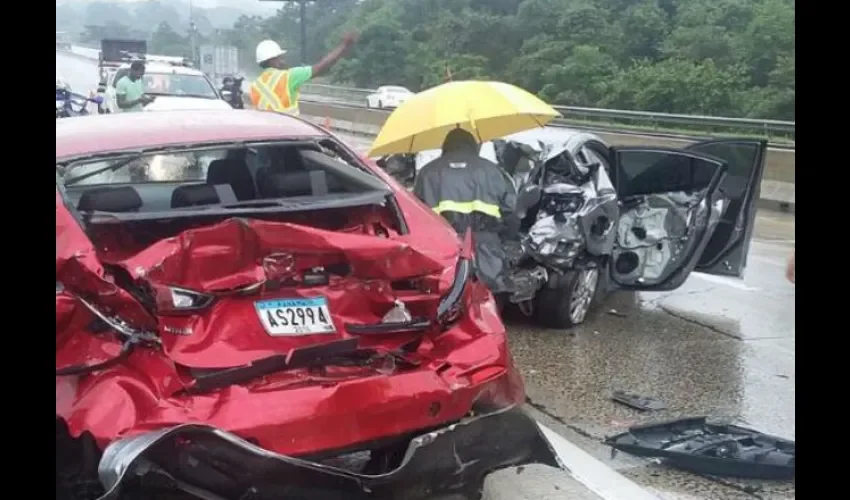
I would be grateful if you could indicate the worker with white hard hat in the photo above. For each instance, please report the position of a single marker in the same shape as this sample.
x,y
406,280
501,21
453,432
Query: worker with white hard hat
x,y
278,87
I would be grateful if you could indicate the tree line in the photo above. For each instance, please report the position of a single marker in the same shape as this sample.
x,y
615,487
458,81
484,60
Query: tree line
x,y
712,57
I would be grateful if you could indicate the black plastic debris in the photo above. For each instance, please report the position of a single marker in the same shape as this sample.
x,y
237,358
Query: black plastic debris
x,y
638,402
717,449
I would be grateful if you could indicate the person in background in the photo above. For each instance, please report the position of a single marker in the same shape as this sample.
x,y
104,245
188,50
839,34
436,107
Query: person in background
x,y
130,89
791,271
278,87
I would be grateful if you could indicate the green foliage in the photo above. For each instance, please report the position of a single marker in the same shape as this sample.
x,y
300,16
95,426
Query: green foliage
x,y
677,86
721,57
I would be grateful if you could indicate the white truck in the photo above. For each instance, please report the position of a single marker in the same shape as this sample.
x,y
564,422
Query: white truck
x,y
219,61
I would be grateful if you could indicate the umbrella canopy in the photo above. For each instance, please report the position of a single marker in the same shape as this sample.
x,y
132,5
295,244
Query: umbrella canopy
x,y
488,110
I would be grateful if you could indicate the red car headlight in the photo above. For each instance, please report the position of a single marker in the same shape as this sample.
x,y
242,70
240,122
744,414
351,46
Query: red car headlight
x,y
175,300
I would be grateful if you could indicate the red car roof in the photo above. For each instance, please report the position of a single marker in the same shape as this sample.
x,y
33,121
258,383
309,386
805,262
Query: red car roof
x,y
87,135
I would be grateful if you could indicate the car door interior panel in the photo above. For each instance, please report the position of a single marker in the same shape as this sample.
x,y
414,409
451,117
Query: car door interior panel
x,y
669,206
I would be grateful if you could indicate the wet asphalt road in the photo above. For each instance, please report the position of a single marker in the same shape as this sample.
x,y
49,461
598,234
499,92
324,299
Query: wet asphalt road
x,y
715,347
718,347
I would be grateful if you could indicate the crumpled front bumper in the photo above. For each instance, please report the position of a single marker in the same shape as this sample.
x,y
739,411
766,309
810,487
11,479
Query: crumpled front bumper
x,y
211,464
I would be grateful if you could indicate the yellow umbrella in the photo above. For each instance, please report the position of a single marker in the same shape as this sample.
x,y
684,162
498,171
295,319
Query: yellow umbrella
x,y
488,110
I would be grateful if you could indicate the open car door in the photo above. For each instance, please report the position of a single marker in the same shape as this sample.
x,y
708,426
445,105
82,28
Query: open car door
x,y
726,253
684,210
670,206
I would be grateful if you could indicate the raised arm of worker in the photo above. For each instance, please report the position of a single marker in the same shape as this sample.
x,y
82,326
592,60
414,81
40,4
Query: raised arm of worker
x,y
300,75
327,62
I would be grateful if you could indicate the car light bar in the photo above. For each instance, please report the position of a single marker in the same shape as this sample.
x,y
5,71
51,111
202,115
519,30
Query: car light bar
x,y
172,60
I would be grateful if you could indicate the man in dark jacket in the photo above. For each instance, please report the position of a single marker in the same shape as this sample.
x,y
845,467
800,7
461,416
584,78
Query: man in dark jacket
x,y
472,193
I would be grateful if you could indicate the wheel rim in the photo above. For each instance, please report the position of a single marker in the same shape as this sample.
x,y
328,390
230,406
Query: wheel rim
x,y
583,291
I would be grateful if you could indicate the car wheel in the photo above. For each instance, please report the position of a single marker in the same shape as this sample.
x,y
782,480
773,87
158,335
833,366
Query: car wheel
x,y
569,303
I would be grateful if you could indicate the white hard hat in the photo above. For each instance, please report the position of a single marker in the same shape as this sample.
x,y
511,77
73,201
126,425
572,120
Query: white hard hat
x,y
268,49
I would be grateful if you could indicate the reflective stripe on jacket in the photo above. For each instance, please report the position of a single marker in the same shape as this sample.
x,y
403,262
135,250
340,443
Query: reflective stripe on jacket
x,y
468,191
270,92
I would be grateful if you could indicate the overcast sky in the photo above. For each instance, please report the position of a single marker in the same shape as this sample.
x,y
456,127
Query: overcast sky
x,y
247,5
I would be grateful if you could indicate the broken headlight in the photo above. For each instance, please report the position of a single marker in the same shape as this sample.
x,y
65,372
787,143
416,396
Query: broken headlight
x,y
171,299
562,203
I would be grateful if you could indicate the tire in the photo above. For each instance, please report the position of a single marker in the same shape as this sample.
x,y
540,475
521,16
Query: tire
x,y
569,303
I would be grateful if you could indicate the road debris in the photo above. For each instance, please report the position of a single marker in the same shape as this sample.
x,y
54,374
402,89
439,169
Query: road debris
x,y
638,402
694,445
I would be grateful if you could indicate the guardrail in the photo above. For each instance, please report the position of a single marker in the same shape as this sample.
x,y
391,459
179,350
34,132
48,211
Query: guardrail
x,y
780,133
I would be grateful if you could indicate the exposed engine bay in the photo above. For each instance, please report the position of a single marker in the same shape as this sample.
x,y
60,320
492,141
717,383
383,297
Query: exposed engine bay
x,y
576,210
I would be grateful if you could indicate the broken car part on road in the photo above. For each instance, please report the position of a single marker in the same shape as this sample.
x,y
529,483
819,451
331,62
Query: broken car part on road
x,y
638,402
718,449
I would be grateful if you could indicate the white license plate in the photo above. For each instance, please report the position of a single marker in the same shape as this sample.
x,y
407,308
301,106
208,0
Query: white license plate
x,y
288,317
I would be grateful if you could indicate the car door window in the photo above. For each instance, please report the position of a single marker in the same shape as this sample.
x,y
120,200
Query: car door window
x,y
649,171
740,156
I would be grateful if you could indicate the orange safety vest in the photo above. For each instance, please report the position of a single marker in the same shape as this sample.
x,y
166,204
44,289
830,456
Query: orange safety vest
x,y
270,92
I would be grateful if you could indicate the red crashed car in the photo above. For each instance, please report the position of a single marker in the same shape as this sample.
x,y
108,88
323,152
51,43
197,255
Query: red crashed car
x,y
245,309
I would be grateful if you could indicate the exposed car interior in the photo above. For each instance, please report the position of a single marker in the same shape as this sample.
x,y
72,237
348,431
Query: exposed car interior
x,y
161,194
180,180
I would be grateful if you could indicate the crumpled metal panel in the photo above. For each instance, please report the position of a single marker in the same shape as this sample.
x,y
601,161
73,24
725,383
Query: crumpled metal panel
x,y
600,201
214,464
229,255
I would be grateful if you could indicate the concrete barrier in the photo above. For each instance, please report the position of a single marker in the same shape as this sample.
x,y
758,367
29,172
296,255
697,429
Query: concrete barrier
x,y
534,482
775,194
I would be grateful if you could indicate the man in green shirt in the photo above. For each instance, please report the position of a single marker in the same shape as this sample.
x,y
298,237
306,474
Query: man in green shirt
x,y
130,89
278,88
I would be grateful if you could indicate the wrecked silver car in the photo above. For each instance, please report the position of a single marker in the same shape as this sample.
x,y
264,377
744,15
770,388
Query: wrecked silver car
x,y
597,218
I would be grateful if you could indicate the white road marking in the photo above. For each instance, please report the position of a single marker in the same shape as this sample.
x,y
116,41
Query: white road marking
x,y
595,475
723,280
